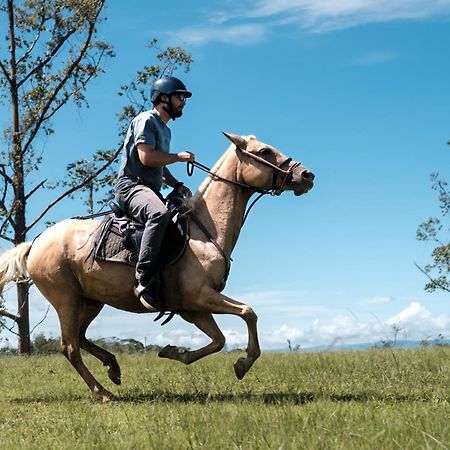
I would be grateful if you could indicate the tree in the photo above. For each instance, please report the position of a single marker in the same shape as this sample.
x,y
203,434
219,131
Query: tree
x,y
51,57
436,231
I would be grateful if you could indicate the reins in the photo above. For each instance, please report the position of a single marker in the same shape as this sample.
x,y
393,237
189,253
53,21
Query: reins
x,y
274,190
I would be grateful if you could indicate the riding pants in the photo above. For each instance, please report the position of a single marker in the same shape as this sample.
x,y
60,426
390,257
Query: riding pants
x,y
145,206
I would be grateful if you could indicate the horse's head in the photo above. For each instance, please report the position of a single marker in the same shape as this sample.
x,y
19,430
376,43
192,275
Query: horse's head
x,y
265,168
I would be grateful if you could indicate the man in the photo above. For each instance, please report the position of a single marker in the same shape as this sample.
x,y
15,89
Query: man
x,y
142,171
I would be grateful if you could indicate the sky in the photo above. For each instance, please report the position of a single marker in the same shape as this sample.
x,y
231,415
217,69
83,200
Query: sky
x,y
359,92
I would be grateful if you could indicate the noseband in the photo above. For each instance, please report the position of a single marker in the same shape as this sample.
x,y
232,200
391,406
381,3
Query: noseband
x,y
276,169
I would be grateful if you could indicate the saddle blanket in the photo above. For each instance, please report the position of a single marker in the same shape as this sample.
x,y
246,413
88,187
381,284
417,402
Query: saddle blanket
x,y
118,240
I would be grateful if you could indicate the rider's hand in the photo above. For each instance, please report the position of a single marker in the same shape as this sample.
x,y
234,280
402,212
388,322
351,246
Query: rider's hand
x,y
186,157
185,191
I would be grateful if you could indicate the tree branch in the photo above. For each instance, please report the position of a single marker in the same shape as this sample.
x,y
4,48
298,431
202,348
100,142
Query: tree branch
x,y
71,94
44,62
62,83
9,315
33,44
35,189
439,285
74,189
5,72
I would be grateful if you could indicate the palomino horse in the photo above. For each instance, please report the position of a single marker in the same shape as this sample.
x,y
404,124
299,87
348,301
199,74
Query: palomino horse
x,y
56,262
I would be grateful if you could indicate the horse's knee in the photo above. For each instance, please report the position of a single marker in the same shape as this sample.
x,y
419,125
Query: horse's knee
x,y
218,343
70,352
248,314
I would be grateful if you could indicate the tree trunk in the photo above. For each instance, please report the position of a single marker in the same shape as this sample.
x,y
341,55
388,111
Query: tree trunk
x,y
23,322
23,314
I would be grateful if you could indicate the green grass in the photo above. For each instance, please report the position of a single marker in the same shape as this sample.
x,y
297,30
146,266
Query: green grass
x,y
377,399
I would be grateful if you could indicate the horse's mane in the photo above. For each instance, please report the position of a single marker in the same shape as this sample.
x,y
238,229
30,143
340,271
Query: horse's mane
x,y
215,169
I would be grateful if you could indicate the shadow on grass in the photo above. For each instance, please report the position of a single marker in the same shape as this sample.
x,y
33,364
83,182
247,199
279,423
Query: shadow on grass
x,y
268,398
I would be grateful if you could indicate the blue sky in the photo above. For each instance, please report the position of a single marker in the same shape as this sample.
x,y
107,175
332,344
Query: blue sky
x,y
356,90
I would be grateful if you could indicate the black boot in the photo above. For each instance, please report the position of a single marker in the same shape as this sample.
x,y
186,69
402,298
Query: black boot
x,y
148,294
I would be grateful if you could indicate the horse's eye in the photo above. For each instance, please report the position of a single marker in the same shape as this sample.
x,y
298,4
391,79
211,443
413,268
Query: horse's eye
x,y
265,152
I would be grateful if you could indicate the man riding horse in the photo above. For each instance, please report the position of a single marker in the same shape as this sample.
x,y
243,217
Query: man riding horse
x,y
143,169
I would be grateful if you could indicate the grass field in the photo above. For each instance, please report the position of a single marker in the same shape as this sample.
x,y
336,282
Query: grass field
x,y
376,399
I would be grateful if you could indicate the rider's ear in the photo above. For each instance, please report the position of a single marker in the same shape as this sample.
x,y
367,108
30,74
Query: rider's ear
x,y
238,141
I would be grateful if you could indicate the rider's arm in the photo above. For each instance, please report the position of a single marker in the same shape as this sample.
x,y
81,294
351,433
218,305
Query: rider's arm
x,y
151,157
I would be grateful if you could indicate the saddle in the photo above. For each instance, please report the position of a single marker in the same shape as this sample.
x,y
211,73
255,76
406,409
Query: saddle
x,y
118,238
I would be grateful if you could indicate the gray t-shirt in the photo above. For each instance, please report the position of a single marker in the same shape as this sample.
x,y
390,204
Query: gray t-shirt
x,y
145,128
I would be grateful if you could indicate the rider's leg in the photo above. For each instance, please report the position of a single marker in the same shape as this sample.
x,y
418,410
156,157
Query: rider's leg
x,y
145,206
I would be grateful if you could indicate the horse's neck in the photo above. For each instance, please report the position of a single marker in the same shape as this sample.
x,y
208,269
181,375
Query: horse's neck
x,y
220,206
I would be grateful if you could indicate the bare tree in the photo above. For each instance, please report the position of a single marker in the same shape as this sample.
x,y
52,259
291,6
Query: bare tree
x,y
51,57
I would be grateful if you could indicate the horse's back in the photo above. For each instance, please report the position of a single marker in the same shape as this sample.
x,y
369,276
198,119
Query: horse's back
x,y
61,263
57,251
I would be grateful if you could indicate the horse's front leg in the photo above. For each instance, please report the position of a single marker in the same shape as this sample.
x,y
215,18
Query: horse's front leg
x,y
216,303
208,325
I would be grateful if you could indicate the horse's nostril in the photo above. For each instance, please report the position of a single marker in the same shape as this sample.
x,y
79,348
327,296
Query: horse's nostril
x,y
308,175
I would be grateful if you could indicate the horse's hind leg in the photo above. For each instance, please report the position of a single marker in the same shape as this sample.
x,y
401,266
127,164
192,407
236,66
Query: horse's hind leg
x,y
206,323
69,317
90,312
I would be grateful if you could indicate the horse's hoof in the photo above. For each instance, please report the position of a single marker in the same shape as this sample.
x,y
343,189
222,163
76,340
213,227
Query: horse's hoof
x,y
240,368
114,376
108,397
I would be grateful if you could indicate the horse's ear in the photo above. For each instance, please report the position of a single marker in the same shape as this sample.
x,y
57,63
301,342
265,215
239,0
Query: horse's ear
x,y
238,141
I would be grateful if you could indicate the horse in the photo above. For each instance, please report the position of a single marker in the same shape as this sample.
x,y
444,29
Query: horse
x,y
56,262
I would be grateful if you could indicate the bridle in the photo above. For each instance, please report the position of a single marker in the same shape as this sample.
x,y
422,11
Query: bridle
x,y
277,169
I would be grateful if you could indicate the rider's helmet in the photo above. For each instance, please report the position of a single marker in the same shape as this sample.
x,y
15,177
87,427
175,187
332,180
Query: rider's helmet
x,y
168,85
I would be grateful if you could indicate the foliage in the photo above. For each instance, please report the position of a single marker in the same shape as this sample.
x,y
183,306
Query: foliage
x,y
343,400
48,345
52,56
436,231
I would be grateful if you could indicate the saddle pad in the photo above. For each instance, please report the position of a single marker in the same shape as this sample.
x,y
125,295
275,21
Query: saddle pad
x,y
108,242
110,246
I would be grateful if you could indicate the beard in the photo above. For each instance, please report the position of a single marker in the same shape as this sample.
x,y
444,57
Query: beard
x,y
177,113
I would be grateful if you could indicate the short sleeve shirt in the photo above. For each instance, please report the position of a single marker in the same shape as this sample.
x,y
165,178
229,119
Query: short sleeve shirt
x,y
145,128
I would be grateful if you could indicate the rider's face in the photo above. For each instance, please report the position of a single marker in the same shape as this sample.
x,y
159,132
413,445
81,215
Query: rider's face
x,y
178,102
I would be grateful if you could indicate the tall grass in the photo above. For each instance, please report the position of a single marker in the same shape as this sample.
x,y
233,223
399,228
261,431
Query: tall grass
x,y
376,399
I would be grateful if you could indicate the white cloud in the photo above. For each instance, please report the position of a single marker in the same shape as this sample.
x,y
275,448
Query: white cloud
x,y
327,15
377,300
246,34
414,322
376,57
251,22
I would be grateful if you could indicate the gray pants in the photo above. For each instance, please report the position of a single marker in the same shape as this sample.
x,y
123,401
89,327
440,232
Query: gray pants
x,y
145,206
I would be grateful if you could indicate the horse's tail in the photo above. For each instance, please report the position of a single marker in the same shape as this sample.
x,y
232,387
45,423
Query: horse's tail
x,y
13,264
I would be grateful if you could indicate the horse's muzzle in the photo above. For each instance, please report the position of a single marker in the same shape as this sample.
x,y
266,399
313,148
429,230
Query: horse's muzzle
x,y
302,181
